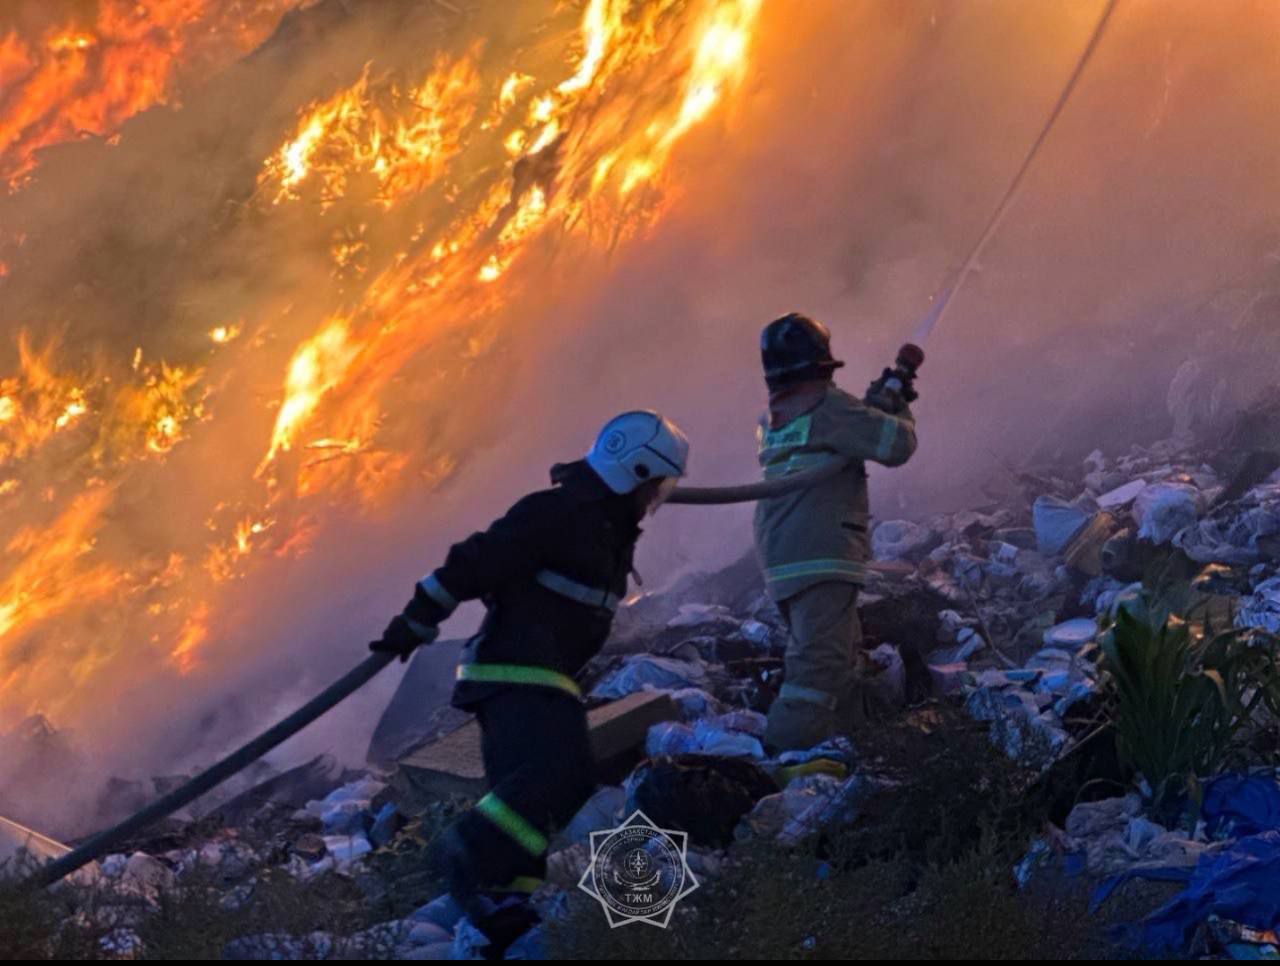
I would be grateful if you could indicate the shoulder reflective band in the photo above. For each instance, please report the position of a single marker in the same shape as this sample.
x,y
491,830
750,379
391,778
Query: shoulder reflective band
x,y
518,674
794,692
848,569
432,587
795,433
562,585
513,823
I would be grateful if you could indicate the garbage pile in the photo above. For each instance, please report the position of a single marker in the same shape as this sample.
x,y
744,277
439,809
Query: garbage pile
x,y
1032,582
1227,867
998,609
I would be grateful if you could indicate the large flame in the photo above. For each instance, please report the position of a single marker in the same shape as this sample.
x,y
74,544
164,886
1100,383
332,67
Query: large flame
x,y
86,77
435,188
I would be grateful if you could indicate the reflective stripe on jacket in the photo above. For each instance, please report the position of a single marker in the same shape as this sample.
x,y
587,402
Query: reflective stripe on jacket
x,y
820,534
551,573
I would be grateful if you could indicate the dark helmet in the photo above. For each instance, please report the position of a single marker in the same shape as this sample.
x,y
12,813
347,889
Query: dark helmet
x,y
795,347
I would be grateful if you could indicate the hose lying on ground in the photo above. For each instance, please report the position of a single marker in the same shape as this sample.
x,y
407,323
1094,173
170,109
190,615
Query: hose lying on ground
x,y
104,842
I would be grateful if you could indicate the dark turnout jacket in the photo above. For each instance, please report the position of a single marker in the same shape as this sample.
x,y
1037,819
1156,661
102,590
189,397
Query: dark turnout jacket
x,y
551,572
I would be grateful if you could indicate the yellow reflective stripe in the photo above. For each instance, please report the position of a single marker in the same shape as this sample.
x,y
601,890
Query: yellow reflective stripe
x,y
796,692
819,766
799,461
522,884
888,438
795,433
814,568
518,674
513,823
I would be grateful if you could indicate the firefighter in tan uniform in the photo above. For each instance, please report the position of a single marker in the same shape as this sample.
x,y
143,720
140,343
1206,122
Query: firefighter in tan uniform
x,y
813,544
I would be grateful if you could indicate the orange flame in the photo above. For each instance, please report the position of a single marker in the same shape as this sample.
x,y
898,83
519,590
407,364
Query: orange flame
x,y
402,139
82,78
48,574
434,192
580,145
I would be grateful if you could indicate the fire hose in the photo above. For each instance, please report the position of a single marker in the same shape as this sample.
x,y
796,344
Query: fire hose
x,y
764,490
897,379
103,842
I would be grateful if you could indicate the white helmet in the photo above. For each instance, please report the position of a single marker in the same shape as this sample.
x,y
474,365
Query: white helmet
x,y
637,447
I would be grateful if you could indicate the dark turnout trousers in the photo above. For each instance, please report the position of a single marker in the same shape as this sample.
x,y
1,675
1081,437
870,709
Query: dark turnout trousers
x,y
540,770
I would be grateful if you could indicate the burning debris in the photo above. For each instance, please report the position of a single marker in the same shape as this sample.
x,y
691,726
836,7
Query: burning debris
x,y
442,188
310,307
1014,639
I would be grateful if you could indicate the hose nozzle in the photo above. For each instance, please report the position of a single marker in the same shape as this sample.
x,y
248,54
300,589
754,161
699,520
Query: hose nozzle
x,y
897,385
910,359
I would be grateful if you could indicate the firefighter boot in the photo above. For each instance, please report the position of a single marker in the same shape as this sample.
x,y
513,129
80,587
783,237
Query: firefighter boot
x,y
450,858
503,917
796,724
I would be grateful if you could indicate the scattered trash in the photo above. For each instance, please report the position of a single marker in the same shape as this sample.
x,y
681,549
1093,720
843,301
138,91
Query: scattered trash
x,y
898,539
887,689
697,615
386,824
694,703
347,848
982,607
1085,551
1261,609
704,738
1072,634
780,812
1234,806
1163,509
603,810
698,794
1122,496
1240,883
649,671
1056,522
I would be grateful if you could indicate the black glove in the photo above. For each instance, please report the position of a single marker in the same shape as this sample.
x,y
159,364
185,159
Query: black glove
x,y
886,399
893,391
403,638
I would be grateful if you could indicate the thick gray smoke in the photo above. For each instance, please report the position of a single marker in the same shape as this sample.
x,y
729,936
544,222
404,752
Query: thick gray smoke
x,y
848,180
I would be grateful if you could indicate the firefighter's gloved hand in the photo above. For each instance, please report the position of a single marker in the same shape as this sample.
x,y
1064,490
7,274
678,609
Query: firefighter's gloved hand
x,y
402,637
886,399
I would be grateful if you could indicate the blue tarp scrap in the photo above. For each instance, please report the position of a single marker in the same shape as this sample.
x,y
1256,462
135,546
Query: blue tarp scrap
x,y
1240,883
1239,805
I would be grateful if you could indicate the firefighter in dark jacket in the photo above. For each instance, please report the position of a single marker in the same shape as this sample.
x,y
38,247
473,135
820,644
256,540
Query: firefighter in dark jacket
x,y
551,573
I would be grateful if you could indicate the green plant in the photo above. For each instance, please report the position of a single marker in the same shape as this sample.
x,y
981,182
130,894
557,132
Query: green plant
x,y
1184,697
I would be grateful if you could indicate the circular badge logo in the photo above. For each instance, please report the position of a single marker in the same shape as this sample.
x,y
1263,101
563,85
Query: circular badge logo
x,y
638,872
614,443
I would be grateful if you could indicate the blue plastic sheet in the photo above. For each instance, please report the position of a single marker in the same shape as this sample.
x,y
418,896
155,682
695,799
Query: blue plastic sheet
x,y
1240,883
1238,805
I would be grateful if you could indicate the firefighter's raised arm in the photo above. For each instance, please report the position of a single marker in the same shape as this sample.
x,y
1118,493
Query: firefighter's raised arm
x,y
871,434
